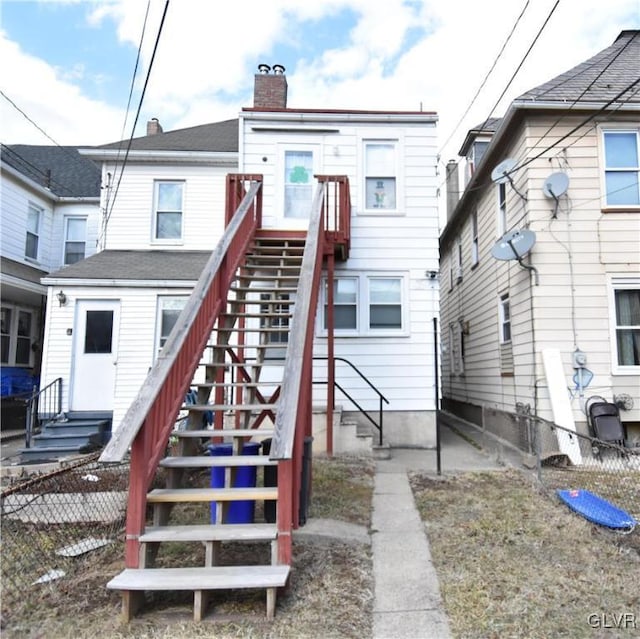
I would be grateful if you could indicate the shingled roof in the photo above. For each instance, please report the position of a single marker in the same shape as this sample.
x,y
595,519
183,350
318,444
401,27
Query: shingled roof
x,y
137,265
61,169
219,137
599,79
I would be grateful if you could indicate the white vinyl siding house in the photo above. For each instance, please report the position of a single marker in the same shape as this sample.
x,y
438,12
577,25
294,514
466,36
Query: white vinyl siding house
x,y
577,286
384,299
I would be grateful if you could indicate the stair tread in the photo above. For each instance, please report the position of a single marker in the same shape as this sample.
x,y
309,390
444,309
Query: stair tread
x,y
200,578
211,532
226,432
207,461
174,495
238,407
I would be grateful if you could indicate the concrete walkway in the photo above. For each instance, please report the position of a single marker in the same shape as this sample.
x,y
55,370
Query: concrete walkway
x,y
407,602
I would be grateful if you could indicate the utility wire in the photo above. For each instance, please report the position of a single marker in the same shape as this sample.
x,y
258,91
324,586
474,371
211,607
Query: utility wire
x,y
103,230
486,77
144,88
526,55
522,61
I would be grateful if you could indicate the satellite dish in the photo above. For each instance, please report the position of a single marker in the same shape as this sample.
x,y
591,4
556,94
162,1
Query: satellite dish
x,y
514,245
500,175
556,185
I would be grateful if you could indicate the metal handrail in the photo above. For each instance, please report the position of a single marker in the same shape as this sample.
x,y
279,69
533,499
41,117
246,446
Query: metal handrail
x,y
381,397
51,397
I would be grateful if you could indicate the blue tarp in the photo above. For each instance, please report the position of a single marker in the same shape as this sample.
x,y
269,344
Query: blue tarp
x,y
17,381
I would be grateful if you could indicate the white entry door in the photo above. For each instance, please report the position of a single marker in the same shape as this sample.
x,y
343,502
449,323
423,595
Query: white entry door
x,y
94,355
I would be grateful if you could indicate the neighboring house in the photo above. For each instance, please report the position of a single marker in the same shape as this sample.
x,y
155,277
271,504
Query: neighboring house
x,y
563,163
163,216
50,210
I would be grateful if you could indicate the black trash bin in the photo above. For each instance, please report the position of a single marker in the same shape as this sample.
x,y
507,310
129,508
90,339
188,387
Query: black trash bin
x,y
270,481
305,484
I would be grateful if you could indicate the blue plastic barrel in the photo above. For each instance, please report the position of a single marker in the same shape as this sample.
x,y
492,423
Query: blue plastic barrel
x,y
239,512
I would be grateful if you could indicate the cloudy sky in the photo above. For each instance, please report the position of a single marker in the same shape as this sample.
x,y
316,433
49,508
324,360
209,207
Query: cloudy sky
x,y
67,66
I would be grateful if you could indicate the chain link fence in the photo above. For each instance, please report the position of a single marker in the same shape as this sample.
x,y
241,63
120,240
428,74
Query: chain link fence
x,y
55,524
608,470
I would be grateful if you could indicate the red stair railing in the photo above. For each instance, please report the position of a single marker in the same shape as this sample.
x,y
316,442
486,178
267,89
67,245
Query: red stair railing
x,y
151,417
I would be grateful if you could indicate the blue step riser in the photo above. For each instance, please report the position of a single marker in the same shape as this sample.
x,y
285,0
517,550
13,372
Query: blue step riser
x,y
71,429
44,441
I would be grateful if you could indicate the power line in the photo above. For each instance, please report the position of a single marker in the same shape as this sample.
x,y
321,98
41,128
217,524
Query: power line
x,y
144,88
486,77
526,55
103,230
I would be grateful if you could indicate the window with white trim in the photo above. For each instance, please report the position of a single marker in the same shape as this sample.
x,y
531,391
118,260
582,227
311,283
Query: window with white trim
x,y
17,327
367,304
504,315
168,210
75,239
169,309
622,167
501,190
475,252
381,175
456,348
627,326
32,240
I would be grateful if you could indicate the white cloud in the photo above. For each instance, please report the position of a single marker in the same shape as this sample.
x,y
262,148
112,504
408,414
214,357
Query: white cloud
x,y
207,56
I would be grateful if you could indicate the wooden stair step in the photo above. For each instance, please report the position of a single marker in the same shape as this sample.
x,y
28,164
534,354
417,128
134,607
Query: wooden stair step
x,y
210,532
263,289
199,408
209,461
180,495
225,432
132,581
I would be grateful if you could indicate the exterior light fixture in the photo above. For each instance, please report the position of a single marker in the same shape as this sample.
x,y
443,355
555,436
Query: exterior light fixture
x,y
62,298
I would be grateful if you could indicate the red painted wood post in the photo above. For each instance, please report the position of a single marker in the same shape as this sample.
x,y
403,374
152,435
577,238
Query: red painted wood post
x,y
331,368
137,504
285,511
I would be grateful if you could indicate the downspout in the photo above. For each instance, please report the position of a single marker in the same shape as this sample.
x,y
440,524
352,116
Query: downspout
x,y
331,373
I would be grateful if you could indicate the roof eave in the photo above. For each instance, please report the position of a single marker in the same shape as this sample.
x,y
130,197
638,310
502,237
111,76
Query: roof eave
x,y
514,114
221,158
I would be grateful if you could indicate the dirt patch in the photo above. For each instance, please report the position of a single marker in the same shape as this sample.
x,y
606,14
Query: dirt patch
x,y
515,562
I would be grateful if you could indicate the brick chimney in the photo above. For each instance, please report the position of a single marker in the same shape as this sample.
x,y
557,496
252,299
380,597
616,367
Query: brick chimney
x,y
153,126
270,87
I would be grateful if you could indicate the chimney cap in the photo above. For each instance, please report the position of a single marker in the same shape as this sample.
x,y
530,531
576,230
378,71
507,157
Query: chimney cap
x,y
264,68
278,69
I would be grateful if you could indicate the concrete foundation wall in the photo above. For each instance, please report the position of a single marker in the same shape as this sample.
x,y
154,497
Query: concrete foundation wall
x,y
353,433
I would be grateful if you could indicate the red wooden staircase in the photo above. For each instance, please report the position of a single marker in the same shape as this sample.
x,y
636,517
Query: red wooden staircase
x,y
241,352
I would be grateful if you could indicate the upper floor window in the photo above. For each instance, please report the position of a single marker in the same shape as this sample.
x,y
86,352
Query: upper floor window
x,y
475,253
502,208
34,219
16,336
381,175
367,304
168,210
298,183
622,168
504,314
169,309
456,348
626,299
75,239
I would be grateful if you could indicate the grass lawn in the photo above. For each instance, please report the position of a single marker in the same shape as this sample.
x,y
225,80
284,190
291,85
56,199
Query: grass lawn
x,y
514,562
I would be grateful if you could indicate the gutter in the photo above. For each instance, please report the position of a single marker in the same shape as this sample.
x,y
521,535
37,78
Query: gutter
x,y
194,157
117,283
